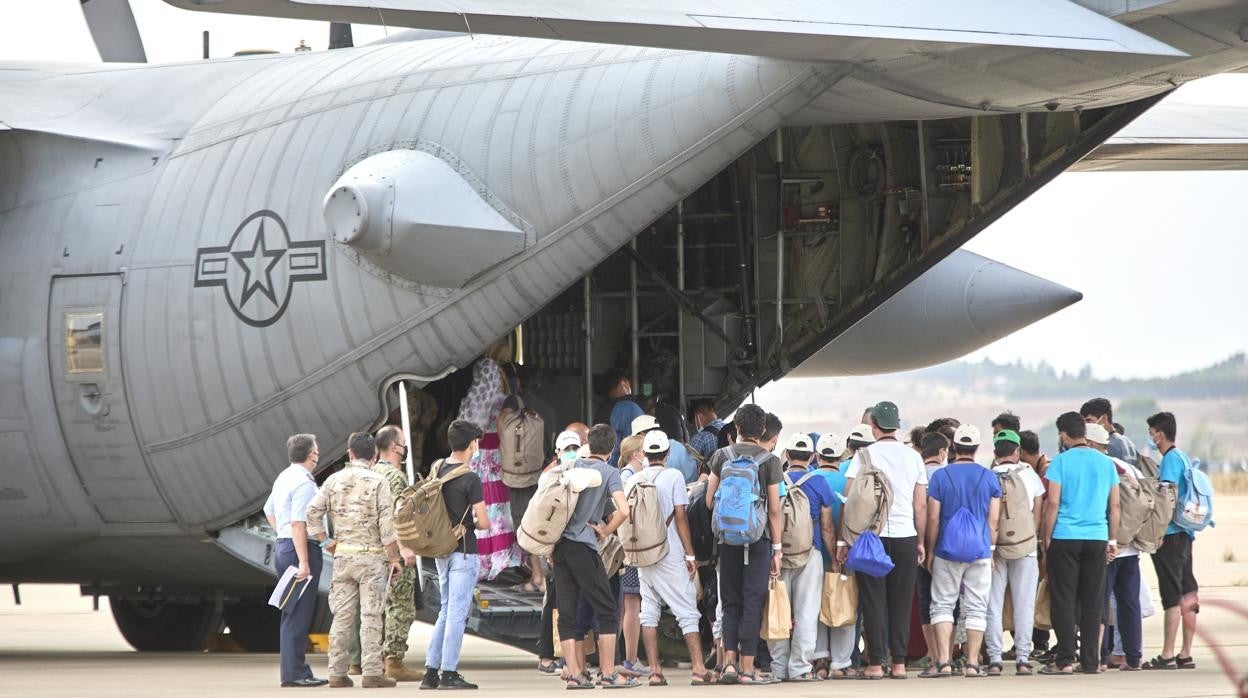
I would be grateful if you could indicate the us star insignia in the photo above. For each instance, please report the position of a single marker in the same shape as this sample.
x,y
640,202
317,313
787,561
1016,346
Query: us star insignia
x,y
259,267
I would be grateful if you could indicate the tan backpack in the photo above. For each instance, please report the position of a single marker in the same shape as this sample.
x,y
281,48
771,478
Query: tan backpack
x,y
1016,526
1135,505
550,509
797,538
644,533
867,501
520,435
1148,538
420,517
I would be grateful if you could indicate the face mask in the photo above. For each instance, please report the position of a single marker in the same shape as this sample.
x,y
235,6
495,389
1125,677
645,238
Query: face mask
x,y
403,453
476,456
567,456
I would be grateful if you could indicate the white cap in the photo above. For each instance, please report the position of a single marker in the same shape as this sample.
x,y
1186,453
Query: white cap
x,y
830,445
798,442
966,435
862,433
644,423
1098,435
566,439
655,442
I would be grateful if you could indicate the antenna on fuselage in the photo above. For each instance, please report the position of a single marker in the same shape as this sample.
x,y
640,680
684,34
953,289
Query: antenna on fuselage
x,y
340,35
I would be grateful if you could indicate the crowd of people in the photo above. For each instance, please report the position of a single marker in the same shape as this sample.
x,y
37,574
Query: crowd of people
x,y
801,560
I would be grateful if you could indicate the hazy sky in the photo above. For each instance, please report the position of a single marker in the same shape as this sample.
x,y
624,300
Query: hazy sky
x,y
1159,257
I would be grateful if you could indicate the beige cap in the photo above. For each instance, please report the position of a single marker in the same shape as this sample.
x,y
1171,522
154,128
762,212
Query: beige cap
x,y
1098,435
862,433
567,439
798,442
644,423
966,435
655,442
830,445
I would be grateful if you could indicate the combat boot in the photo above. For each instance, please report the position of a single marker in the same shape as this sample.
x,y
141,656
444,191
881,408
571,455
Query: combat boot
x,y
398,672
378,682
340,682
355,670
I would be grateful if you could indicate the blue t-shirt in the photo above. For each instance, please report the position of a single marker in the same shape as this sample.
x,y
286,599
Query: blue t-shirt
x,y
680,458
1172,467
623,412
1086,477
969,485
835,484
816,490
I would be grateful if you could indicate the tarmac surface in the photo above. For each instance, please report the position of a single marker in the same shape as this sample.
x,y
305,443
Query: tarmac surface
x,y
55,645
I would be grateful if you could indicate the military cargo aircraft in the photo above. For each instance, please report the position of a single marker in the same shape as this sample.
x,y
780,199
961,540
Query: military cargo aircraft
x,y
199,259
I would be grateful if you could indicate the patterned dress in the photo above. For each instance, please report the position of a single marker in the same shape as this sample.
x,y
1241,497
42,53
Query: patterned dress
x,y
496,546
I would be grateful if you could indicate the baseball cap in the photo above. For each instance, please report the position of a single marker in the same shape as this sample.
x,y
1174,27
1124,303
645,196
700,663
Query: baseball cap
x,y
655,442
644,423
830,445
566,439
1097,434
799,442
862,433
886,415
966,435
1007,435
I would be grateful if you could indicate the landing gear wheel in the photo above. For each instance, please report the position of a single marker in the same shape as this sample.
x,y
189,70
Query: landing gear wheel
x,y
254,625
162,626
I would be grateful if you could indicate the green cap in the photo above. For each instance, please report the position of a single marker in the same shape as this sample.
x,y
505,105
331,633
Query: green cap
x,y
885,414
1007,435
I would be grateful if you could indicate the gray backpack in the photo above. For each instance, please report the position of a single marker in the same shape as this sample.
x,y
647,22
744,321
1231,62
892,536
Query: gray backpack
x,y
1016,527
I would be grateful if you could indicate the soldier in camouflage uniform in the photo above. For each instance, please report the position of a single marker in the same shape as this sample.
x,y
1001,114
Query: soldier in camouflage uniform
x,y
359,505
400,603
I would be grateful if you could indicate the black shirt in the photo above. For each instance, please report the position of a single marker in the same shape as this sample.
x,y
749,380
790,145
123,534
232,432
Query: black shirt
x,y
459,495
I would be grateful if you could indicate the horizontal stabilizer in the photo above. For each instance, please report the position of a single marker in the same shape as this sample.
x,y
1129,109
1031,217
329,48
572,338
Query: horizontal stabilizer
x,y
816,30
1176,136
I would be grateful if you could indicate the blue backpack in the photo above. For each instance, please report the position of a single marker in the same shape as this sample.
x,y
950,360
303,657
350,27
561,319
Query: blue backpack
x,y
1194,510
961,540
867,556
739,514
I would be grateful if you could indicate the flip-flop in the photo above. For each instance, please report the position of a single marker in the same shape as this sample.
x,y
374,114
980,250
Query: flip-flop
x,y
1023,669
704,679
840,674
1055,670
662,680
729,676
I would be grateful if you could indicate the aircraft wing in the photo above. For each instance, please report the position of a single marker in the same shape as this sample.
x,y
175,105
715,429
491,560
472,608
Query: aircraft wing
x,y
1176,136
819,30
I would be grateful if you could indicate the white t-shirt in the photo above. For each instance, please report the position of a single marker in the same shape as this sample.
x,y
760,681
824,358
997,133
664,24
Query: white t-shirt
x,y
1032,484
904,469
672,493
1132,471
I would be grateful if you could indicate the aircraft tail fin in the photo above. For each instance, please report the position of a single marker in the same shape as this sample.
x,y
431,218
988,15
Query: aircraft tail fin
x,y
114,31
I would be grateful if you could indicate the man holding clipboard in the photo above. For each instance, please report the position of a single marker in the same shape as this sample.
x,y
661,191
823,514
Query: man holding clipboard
x,y
286,510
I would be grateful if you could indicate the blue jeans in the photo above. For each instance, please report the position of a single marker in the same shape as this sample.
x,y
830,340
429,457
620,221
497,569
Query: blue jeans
x,y
1123,581
457,577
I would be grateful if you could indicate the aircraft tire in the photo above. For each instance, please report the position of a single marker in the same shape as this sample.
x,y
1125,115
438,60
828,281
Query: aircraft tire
x,y
254,625
160,626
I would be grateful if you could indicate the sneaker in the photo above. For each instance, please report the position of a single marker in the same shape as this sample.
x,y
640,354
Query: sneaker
x,y
634,669
454,681
430,681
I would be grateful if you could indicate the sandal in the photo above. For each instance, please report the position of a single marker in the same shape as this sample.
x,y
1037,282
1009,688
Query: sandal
x,y
617,681
752,677
1160,662
995,669
841,674
1185,662
577,683
550,668
729,676
1023,669
979,671
802,678
933,671
661,679
1055,670
821,669
705,679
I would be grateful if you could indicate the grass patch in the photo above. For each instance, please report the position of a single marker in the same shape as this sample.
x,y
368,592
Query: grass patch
x,y
1230,483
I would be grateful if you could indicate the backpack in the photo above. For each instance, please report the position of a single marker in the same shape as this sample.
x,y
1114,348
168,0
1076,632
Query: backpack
x,y
550,509
1148,539
962,539
1016,526
644,533
867,501
420,518
1147,466
867,555
1194,511
700,527
798,535
1135,504
522,453
739,515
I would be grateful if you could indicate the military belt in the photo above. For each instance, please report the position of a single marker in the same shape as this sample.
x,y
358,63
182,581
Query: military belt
x,y
345,548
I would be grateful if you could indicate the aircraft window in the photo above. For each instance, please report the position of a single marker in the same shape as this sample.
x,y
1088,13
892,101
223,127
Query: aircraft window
x,y
84,342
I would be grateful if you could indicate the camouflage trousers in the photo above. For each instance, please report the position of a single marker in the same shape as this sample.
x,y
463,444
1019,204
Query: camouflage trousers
x,y
400,614
358,585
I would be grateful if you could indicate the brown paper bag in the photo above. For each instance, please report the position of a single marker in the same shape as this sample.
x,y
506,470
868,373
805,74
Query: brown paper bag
x,y
1043,621
840,600
777,614
554,629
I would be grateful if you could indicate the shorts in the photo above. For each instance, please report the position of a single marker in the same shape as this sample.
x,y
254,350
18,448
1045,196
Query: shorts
x,y
520,498
630,581
1173,562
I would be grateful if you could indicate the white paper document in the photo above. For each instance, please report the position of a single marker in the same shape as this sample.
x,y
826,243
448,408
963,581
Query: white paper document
x,y
288,588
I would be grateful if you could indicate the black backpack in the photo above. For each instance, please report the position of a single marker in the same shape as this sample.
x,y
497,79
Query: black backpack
x,y
699,515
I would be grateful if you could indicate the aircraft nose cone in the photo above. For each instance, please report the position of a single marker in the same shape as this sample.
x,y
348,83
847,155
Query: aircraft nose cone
x,y
1001,299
